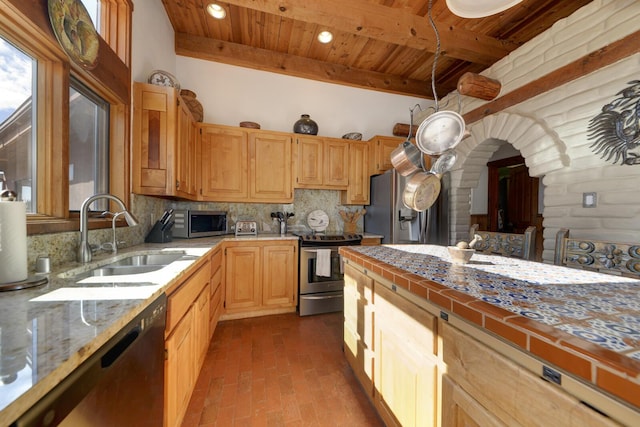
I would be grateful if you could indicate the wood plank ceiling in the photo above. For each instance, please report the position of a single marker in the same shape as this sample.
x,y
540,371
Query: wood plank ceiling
x,y
384,45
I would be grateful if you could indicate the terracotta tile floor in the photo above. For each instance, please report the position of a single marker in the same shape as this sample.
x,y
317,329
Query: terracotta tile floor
x,y
281,370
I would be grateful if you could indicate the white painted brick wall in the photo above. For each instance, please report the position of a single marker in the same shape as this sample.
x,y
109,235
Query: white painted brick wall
x,y
550,130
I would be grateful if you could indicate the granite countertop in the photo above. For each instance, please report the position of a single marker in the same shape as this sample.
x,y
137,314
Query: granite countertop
x,y
586,323
48,331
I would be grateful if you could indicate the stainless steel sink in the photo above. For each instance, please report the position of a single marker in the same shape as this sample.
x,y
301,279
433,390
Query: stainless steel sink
x,y
147,260
120,270
134,264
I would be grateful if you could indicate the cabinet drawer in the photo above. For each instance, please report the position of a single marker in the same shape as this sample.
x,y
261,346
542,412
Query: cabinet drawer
x,y
510,392
216,309
216,262
180,300
216,280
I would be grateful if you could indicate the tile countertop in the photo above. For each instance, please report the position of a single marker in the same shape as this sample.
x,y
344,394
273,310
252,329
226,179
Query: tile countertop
x,y
48,331
586,323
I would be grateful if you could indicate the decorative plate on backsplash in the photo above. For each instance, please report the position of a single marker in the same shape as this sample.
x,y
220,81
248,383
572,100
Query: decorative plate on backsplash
x,y
318,220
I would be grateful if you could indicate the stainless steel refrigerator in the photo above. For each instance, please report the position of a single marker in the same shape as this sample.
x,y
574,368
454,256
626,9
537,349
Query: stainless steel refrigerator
x,y
389,217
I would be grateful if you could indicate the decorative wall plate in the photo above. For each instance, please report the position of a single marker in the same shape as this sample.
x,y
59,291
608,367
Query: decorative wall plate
x,y
163,78
318,220
75,32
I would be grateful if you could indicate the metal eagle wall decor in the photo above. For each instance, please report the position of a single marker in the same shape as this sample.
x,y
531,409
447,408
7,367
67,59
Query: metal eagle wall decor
x,y
616,130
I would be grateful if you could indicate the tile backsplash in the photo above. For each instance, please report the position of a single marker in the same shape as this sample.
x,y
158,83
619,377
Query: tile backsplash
x,y
62,247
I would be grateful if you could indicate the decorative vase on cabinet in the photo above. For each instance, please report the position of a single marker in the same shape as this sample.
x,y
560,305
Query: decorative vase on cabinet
x,y
305,125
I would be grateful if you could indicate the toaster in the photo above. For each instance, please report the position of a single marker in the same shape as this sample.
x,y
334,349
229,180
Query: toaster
x,y
246,228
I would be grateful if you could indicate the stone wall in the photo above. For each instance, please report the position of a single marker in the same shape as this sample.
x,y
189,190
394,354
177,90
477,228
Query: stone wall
x,y
550,130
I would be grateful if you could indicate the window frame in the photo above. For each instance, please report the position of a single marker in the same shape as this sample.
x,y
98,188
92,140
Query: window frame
x,y
26,24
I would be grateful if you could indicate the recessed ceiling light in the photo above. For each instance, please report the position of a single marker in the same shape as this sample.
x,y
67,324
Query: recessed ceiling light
x,y
216,11
325,37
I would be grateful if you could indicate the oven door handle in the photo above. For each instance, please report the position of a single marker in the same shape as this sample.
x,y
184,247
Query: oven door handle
x,y
314,251
321,297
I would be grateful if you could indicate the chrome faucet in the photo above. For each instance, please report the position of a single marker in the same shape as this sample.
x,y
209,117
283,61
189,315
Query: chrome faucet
x,y
84,251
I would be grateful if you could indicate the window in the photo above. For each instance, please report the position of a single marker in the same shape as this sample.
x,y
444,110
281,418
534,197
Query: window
x,y
81,142
88,146
17,123
93,7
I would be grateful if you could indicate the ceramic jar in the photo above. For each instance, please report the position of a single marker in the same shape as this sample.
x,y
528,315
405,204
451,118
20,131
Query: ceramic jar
x,y
194,106
305,125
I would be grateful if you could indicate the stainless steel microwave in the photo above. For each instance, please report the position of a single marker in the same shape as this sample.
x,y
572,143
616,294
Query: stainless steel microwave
x,y
196,223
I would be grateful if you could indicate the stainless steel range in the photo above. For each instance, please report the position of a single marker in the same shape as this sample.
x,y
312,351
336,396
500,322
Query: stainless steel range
x,y
321,275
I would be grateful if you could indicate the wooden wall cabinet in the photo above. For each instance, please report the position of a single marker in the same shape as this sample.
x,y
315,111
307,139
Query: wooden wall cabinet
x,y
224,156
270,167
186,340
357,192
260,278
321,163
162,128
381,148
186,160
239,165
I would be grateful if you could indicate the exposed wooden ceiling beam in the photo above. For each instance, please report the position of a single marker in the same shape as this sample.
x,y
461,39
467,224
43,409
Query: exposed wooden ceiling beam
x,y
392,25
266,60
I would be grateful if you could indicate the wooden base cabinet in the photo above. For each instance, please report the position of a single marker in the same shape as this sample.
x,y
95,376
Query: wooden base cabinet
x,y
406,364
358,326
217,290
459,409
483,387
447,373
186,341
260,278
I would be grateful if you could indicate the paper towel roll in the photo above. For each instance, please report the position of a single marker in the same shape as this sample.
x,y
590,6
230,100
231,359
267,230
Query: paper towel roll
x,y
13,242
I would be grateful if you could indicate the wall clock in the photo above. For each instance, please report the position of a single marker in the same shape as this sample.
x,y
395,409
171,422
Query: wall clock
x,y
75,32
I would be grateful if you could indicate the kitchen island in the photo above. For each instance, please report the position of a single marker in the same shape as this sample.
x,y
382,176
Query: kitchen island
x,y
49,331
490,332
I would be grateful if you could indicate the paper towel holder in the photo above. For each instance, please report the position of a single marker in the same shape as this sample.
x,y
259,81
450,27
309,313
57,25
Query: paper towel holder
x,y
29,282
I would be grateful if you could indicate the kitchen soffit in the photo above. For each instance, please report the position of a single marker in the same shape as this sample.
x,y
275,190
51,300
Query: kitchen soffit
x,y
384,45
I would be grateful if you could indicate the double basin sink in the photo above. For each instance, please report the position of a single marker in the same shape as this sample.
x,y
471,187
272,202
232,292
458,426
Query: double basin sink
x,y
131,265
136,264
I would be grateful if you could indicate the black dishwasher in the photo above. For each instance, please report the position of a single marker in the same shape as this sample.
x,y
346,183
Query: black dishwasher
x,y
122,384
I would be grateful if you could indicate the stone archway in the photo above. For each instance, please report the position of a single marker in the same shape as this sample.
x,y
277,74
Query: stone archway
x,y
541,148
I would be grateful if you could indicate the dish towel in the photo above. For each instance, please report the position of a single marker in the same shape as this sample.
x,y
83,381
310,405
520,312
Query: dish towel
x,y
323,262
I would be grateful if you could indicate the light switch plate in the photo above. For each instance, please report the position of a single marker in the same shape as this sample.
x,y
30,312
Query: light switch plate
x,y
589,200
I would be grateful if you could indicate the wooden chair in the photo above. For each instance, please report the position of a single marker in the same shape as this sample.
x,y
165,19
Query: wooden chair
x,y
507,244
606,257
